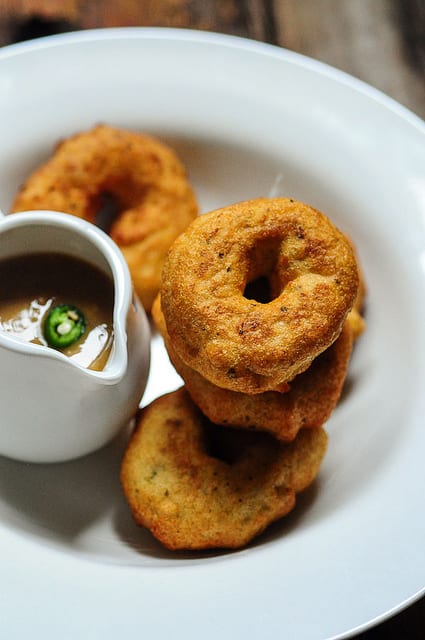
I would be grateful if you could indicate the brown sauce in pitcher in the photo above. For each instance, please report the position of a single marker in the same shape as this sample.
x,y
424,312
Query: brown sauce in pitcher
x,y
34,285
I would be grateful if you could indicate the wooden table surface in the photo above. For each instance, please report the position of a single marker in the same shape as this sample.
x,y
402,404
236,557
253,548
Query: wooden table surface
x,y
379,41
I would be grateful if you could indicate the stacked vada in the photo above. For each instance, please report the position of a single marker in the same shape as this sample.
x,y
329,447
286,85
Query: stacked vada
x,y
259,306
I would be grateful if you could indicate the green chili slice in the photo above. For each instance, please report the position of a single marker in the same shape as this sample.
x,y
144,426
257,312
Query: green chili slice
x,y
63,326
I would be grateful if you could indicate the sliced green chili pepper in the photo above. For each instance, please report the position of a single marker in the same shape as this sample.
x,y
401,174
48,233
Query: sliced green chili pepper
x,y
63,326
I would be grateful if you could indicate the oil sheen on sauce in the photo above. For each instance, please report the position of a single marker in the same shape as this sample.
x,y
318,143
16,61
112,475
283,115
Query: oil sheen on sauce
x,y
31,285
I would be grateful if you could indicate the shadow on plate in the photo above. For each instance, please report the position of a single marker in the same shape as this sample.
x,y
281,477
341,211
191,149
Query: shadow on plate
x,y
61,499
79,506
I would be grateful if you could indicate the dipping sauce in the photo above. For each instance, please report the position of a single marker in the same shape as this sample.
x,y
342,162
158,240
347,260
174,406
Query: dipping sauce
x,y
32,285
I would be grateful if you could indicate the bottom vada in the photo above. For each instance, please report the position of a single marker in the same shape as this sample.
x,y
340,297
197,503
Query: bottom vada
x,y
196,485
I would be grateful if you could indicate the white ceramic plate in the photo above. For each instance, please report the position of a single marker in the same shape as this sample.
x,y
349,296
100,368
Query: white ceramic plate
x,y
248,120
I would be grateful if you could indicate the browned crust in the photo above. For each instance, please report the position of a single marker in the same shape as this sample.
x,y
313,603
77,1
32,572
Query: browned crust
x,y
239,343
356,315
309,402
147,181
189,498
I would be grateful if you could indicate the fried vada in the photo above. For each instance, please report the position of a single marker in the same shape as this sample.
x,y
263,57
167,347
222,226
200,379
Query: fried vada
x,y
233,339
143,177
309,401
199,486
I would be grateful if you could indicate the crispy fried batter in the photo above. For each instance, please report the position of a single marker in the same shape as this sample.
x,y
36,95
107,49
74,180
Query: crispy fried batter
x,y
231,338
146,180
356,322
355,317
310,400
199,486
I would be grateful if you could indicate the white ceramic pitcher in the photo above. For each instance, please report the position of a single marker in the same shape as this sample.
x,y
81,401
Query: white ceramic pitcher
x,y
52,409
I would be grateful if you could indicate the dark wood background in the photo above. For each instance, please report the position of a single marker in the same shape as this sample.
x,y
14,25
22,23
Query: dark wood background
x,y
379,41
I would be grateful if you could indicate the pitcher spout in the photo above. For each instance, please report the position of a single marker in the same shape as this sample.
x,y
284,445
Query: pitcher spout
x,y
80,407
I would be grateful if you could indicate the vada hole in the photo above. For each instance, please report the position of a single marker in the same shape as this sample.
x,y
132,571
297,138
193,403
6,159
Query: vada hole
x,y
107,210
261,281
259,290
220,442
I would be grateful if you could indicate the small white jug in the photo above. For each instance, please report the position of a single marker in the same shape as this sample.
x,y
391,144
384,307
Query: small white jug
x,y
52,409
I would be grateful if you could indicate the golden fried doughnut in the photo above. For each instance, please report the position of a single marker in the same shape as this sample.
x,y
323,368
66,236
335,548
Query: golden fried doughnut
x,y
356,322
233,339
355,317
309,402
144,177
199,486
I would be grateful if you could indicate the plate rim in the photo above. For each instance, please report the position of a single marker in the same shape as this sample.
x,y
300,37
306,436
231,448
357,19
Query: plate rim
x,y
220,39
242,43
